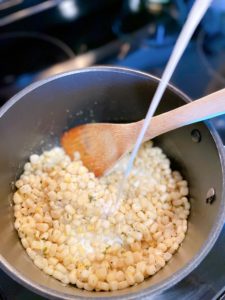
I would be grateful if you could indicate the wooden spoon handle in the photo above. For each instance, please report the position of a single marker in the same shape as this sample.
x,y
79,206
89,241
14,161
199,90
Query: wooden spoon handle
x,y
205,108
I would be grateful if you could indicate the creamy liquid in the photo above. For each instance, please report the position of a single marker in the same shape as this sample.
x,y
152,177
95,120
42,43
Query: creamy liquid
x,y
85,242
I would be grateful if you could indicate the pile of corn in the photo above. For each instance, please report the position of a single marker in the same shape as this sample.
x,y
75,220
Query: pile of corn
x,y
60,214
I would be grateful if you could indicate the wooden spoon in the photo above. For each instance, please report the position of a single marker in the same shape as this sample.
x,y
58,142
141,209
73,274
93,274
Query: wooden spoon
x,y
101,145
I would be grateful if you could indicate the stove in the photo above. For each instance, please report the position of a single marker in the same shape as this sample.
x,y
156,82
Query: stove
x,y
129,33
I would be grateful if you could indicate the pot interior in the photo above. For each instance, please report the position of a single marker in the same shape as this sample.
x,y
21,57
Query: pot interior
x,y
36,122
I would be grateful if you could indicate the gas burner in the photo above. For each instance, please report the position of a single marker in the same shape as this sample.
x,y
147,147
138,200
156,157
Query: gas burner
x,y
23,54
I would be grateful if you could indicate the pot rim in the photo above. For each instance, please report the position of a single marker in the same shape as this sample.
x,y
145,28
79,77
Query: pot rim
x,y
179,275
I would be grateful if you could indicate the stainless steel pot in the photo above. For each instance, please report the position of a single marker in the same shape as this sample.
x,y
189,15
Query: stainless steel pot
x,y
34,119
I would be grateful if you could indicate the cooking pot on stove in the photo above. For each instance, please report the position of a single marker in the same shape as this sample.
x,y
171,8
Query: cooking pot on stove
x,y
34,119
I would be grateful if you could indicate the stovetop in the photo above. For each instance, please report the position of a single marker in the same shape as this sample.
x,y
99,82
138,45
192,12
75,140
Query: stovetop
x,y
199,72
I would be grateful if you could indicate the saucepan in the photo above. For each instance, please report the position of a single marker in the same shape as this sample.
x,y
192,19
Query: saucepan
x,y
34,119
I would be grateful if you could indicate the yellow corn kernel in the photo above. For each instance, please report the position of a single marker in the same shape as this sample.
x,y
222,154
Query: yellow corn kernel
x,y
81,249
91,228
80,229
80,266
